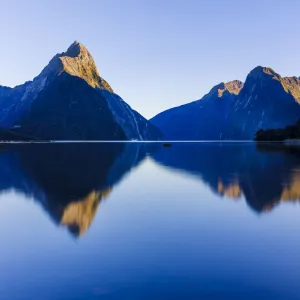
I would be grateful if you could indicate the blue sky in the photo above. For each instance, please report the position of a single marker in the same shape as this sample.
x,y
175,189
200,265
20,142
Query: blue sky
x,y
155,54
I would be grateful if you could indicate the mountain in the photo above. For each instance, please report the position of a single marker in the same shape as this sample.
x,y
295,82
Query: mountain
x,y
202,119
235,110
264,175
266,101
69,100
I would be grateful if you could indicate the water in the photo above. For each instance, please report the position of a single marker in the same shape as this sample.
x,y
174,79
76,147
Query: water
x,y
143,221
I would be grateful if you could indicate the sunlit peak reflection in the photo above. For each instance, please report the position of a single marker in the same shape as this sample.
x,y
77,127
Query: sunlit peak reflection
x,y
79,215
231,190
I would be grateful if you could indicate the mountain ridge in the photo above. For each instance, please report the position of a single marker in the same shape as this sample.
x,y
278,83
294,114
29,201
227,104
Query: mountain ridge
x,y
265,100
69,100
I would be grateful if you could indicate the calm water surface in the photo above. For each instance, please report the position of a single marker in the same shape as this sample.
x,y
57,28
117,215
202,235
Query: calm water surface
x,y
143,221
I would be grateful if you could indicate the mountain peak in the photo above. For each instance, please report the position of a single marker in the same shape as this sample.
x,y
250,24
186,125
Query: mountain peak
x,y
260,71
291,85
77,61
75,49
233,87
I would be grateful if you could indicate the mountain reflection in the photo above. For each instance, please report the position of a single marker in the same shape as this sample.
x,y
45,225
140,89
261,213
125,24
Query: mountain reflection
x,y
263,174
78,215
68,180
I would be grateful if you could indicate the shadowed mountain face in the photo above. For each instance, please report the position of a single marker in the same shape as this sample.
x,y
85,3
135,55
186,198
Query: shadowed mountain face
x,y
69,100
263,175
68,180
266,101
203,119
235,110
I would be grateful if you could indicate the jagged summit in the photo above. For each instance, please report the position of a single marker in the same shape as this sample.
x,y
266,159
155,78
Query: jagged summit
x,y
260,72
75,49
291,85
233,87
76,61
260,69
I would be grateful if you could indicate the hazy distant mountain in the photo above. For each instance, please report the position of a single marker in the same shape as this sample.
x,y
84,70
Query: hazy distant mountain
x,y
70,101
235,110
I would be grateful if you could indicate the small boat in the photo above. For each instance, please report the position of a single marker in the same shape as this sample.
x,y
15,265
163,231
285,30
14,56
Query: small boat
x,y
167,144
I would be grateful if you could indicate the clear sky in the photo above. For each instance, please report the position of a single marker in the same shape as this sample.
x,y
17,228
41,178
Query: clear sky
x,y
155,54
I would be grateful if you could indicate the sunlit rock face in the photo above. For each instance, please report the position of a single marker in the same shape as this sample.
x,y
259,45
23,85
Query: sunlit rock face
x,y
69,100
77,61
234,110
232,87
264,175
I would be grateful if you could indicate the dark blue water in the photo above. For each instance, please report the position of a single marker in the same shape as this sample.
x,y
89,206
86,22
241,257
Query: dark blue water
x,y
144,221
